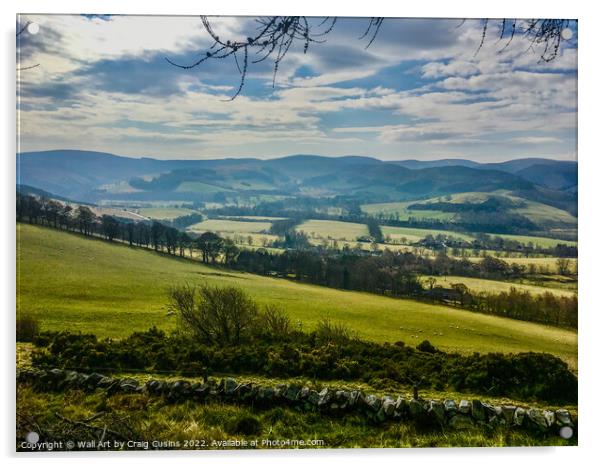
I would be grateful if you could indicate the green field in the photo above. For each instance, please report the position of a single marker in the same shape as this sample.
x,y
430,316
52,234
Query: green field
x,y
165,213
538,240
416,234
89,285
495,286
230,226
401,209
541,214
333,229
199,187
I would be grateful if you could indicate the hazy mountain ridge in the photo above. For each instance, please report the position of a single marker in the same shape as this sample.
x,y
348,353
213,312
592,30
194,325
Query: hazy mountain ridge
x,y
91,176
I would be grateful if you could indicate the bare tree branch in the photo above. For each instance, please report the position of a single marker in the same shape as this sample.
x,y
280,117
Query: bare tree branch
x,y
276,35
274,38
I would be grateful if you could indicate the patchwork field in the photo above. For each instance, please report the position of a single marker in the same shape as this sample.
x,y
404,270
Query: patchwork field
x,y
400,209
541,214
545,262
333,229
84,284
416,234
165,213
495,286
538,240
230,226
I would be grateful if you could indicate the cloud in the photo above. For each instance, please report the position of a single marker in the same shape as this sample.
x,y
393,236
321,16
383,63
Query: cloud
x,y
418,90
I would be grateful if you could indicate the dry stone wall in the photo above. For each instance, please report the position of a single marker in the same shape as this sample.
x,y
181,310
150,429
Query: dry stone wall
x,y
464,414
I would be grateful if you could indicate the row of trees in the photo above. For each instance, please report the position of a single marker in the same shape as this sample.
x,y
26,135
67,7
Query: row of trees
x,y
390,273
155,235
398,274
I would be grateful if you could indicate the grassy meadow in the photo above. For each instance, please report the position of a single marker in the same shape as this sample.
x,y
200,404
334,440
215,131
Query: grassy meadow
x,y
541,214
85,284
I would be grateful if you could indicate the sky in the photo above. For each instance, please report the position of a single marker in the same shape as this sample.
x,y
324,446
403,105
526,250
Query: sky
x,y
422,90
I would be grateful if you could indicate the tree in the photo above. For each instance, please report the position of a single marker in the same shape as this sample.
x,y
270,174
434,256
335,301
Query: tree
x,y
210,245
85,219
109,226
215,315
157,232
431,282
563,265
230,251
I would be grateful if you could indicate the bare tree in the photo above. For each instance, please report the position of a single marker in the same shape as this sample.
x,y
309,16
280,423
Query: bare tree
x,y
216,315
544,36
19,32
277,34
274,38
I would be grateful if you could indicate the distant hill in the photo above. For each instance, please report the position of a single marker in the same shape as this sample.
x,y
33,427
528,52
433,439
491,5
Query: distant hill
x,y
94,176
31,191
420,164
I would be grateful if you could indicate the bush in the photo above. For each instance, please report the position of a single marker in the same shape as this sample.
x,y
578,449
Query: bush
x,y
245,424
28,327
217,315
426,347
524,376
273,322
329,332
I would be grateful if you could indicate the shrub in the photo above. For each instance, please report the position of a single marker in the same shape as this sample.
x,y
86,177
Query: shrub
x,y
274,322
244,424
28,328
525,376
218,315
329,332
426,347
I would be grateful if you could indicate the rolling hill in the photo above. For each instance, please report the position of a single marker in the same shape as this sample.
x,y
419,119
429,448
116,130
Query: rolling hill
x,y
84,284
95,176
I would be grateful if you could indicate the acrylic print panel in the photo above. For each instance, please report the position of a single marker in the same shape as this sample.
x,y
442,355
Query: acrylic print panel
x,y
295,232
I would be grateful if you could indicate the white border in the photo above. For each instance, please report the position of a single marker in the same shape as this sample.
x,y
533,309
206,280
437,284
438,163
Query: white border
x,y
589,236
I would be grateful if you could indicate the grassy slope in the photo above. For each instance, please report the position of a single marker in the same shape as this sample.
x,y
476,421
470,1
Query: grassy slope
x,y
84,284
536,211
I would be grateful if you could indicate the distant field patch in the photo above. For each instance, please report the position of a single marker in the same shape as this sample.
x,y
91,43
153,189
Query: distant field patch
x,y
541,214
254,218
165,213
400,211
230,226
199,187
333,229
497,286
117,212
416,234
538,240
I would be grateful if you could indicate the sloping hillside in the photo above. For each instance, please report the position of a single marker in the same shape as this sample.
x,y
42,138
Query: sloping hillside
x,y
89,285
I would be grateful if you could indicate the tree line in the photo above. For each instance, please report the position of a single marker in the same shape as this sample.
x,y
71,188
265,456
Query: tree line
x,y
148,234
390,273
397,274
